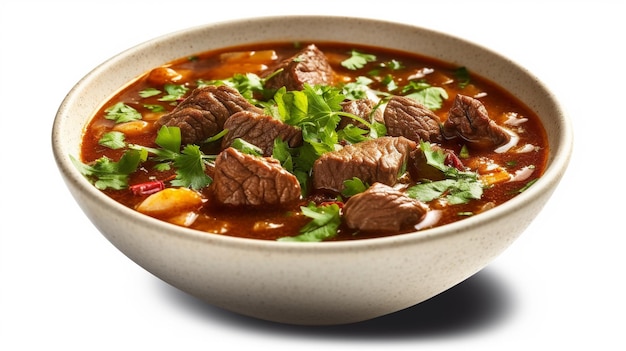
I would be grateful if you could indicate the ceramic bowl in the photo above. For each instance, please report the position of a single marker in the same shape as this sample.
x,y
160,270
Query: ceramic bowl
x,y
310,283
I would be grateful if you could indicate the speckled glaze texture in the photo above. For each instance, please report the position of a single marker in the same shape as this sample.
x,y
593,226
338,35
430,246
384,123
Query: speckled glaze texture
x,y
309,283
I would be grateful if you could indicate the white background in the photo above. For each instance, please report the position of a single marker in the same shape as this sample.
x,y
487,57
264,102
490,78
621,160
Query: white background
x,y
559,286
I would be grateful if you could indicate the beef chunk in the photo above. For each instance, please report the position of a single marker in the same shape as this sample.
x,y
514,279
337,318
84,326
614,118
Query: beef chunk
x,y
408,118
468,119
383,208
308,66
375,160
242,179
363,108
203,113
260,130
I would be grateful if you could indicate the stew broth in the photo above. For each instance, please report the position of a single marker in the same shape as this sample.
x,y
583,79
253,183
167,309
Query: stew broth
x,y
505,174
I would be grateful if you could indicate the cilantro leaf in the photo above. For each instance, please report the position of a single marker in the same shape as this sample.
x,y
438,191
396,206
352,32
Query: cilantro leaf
x,y
463,76
246,147
169,138
357,89
174,92
113,140
190,169
105,173
353,186
154,108
424,93
325,221
121,113
357,60
190,163
149,92
458,186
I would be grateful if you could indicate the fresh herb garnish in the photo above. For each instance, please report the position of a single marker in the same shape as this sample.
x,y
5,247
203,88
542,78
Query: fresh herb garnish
x,y
463,76
458,187
325,221
353,186
105,173
121,113
424,93
174,92
148,92
113,140
190,163
357,60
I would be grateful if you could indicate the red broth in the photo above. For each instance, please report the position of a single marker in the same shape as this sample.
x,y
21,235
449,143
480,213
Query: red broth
x,y
506,173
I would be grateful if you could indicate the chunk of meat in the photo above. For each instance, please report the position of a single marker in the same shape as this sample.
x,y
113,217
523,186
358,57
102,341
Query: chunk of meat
x,y
408,118
203,113
364,108
260,130
468,118
376,160
309,66
383,208
242,179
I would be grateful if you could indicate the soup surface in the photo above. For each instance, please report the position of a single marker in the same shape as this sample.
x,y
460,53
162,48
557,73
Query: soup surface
x,y
312,142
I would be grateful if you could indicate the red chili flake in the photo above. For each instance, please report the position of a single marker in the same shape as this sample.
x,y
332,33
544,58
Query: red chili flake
x,y
453,160
147,188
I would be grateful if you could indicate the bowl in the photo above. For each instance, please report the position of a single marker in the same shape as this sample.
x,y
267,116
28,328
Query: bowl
x,y
325,283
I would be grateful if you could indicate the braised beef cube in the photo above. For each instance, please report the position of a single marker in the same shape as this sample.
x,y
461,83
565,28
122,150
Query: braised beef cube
x,y
376,160
309,66
468,118
242,179
364,108
203,113
408,118
383,208
260,130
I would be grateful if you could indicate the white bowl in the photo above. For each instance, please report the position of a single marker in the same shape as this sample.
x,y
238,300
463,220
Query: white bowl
x,y
310,283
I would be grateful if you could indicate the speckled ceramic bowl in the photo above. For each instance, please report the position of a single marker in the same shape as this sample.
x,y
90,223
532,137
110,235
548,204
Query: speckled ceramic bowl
x,y
309,283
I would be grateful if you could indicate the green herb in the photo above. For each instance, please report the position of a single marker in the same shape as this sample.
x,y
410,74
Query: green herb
x,y
149,92
357,60
389,83
282,153
190,166
174,92
325,221
247,84
357,89
459,186
154,108
190,163
121,113
528,185
113,140
353,186
424,93
463,76
393,65
464,153
246,147
105,173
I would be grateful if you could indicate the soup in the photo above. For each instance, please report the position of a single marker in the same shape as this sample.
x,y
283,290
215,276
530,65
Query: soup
x,y
312,142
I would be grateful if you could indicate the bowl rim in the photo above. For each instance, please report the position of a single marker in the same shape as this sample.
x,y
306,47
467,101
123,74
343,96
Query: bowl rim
x,y
557,163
